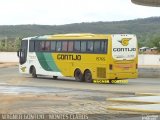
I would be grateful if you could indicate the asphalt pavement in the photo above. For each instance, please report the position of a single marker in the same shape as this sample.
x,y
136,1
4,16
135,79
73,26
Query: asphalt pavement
x,y
24,94
11,76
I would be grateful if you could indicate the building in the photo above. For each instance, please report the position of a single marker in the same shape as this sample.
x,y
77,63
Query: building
x,y
147,50
155,3
144,49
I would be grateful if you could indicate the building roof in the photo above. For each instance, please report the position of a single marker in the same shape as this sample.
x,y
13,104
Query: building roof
x,y
155,3
142,48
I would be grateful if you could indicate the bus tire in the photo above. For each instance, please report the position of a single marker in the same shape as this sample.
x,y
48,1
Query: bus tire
x,y
78,75
110,81
33,72
55,77
88,76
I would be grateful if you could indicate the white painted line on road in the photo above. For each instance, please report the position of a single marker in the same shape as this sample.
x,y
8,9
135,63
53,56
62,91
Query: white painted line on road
x,y
3,83
150,108
9,93
147,94
144,99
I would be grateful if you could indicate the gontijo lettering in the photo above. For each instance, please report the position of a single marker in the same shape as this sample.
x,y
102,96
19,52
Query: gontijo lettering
x,y
123,49
68,57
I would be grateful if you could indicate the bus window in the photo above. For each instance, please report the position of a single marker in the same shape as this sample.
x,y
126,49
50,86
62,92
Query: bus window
x,y
104,47
70,46
90,46
64,46
31,46
59,46
83,46
37,46
97,46
53,45
42,46
47,46
77,46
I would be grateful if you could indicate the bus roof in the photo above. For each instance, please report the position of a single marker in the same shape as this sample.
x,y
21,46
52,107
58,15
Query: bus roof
x,y
73,36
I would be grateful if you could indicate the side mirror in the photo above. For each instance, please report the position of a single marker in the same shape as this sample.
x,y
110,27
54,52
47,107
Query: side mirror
x,y
18,53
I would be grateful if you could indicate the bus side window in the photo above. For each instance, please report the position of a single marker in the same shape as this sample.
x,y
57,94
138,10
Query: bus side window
x,y
37,46
64,46
42,45
53,45
70,46
90,46
83,46
31,46
59,46
47,46
97,46
104,46
77,46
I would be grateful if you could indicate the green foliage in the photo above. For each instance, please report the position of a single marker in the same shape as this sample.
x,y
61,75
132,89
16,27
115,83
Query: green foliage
x,y
156,43
17,43
10,44
145,29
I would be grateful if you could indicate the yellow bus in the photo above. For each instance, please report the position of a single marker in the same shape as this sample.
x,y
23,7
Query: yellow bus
x,y
86,57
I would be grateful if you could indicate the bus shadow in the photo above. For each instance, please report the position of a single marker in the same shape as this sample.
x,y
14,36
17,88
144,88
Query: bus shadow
x,y
52,79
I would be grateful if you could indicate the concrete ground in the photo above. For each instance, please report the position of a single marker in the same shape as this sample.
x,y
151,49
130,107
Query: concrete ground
x,y
23,94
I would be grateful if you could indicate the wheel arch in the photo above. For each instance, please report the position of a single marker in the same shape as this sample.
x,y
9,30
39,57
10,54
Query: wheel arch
x,y
31,68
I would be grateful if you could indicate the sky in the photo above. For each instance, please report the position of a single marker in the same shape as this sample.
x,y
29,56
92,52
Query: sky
x,y
59,12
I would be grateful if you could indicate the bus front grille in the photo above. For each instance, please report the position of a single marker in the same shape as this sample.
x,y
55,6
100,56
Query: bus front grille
x,y
101,72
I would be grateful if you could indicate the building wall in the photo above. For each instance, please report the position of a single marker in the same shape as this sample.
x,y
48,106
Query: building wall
x,y
149,59
8,57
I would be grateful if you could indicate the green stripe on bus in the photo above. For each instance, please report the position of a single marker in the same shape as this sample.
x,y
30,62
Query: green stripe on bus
x,y
42,61
50,61
47,62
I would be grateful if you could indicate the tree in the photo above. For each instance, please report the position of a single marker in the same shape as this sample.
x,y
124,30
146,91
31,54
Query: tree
x,y
156,42
17,43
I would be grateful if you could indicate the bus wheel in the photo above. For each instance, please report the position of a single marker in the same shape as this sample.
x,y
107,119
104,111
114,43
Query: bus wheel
x,y
88,76
110,81
33,72
78,75
55,77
